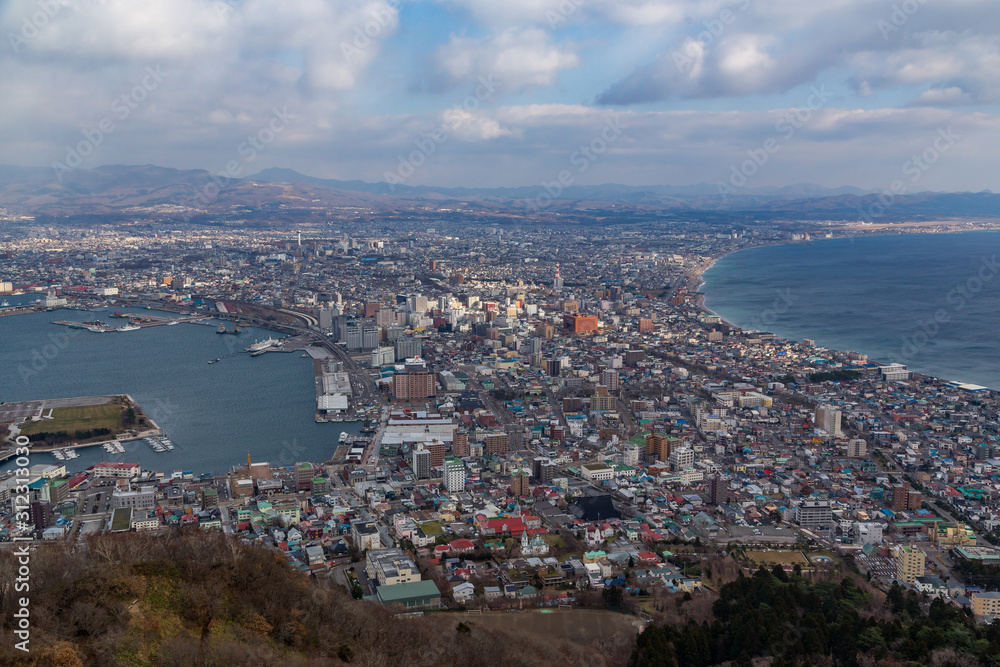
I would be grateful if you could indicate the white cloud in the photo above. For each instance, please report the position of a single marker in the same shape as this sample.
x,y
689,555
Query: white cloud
x,y
518,59
728,49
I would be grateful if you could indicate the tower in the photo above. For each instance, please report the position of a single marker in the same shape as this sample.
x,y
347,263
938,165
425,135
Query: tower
x,y
557,282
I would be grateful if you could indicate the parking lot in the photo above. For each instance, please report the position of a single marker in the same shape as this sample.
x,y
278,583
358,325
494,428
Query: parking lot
x,y
10,412
880,567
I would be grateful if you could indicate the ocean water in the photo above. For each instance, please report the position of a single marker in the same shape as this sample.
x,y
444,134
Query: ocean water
x,y
931,301
216,414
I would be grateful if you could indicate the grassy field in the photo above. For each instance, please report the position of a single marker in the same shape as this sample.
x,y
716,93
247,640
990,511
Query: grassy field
x,y
432,528
577,625
555,541
82,418
771,557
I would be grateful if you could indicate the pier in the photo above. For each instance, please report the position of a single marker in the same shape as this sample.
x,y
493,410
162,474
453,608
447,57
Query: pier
x,y
140,321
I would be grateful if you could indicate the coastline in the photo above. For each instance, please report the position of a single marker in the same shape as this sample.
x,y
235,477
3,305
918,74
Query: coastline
x,y
699,297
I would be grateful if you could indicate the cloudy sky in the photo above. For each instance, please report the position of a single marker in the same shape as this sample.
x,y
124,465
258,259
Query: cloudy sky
x,y
512,92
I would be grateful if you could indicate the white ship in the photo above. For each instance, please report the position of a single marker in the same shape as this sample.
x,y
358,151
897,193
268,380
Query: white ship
x,y
129,327
343,436
71,454
262,345
4,304
58,455
171,323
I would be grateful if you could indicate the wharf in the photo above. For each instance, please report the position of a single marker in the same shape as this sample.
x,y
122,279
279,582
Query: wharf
x,y
143,322
19,310
291,344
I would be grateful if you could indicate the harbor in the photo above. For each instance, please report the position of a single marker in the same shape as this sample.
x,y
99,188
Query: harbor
x,y
24,418
133,322
213,413
159,365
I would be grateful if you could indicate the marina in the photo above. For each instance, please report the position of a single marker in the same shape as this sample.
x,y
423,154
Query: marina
x,y
213,411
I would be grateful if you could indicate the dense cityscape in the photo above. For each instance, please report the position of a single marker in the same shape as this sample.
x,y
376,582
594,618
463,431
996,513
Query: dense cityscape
x,y
546,415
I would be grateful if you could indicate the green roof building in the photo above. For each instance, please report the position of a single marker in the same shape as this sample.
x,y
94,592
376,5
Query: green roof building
x,y
412,595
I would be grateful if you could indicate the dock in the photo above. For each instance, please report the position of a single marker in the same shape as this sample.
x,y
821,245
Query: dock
x,y
140,321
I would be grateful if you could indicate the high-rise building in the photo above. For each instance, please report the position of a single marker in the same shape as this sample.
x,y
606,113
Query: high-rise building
x,y
408,347
496,443
383,356
355,337
319,486
371,307
633,453
460,443
437,453
534,345
39,514
546,331
369,337
985,604
828,419
454,474
519,483
856,448
814,514
603,402
681,458
414,384
553,367
581,323
910,563
340,328
658,446
718,491
905,499
609,378
304,472
259,470
421,463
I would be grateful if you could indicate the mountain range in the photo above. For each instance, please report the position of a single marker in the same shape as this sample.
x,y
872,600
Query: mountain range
x,y
197,194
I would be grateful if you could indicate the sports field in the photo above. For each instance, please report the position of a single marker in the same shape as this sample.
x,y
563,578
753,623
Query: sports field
x,y
791,557
81,418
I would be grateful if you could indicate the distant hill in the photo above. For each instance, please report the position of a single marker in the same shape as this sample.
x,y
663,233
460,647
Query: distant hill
x,y
286,194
